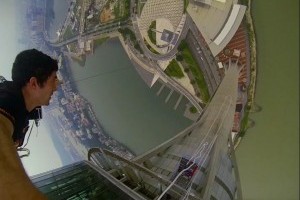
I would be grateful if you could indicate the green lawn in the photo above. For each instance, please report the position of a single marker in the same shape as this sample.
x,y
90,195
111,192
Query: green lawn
x,y
151,33
121,9
244,122
186,3
193,109
127,33
195,70
174,70
68,33
140,7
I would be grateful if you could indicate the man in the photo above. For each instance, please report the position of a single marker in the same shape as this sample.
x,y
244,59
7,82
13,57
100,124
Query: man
x,y
33,83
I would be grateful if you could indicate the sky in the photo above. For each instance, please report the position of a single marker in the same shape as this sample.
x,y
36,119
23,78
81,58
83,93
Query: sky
x,y
8,33
44,156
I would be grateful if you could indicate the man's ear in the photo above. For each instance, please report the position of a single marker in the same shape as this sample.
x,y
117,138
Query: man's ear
x,y
33,82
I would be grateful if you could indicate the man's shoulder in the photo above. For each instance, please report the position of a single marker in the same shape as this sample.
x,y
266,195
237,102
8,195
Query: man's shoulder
x,y
9,90
5,85
9,100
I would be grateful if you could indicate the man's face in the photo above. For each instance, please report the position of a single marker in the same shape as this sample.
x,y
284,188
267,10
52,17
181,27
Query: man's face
x,y
49,87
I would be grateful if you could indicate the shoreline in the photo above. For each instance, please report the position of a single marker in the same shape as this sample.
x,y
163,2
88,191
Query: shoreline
x,y
253,73
253,57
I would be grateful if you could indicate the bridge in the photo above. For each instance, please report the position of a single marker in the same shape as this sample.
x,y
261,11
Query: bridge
x,y
103,29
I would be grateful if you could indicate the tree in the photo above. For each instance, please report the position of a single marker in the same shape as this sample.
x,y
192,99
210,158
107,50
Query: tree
x,y
179,57
193,109
182,45
186,70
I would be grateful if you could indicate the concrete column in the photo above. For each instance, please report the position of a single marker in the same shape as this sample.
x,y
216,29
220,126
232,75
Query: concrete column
x,y
159,91
178,102
168,97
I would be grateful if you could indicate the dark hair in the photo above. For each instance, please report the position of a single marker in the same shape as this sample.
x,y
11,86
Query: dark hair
x,y
32,63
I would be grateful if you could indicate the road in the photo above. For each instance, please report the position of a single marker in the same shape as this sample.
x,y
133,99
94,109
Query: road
x,y
111,27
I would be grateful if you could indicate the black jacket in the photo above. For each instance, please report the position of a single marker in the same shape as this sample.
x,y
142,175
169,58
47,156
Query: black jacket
x,y
12,105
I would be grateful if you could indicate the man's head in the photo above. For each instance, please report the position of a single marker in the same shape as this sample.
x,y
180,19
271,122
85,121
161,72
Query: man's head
x,y
33,63
35,72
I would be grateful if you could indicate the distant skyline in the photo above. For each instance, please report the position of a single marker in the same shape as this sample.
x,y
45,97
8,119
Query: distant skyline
x,y
43,156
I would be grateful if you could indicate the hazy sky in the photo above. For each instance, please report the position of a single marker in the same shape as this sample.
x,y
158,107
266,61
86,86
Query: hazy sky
x,y
43,156
8,35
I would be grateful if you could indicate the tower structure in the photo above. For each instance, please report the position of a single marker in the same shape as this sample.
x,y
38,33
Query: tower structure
x,y
198,163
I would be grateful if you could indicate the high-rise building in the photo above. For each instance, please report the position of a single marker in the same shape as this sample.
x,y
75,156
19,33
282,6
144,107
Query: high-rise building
x,y
198,163
77,181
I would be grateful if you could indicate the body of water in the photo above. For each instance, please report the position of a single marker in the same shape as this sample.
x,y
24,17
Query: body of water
x,y
268,156
126,107
60,8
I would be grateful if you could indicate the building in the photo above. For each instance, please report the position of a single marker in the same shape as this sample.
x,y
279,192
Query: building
x,y
77,181
217,20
